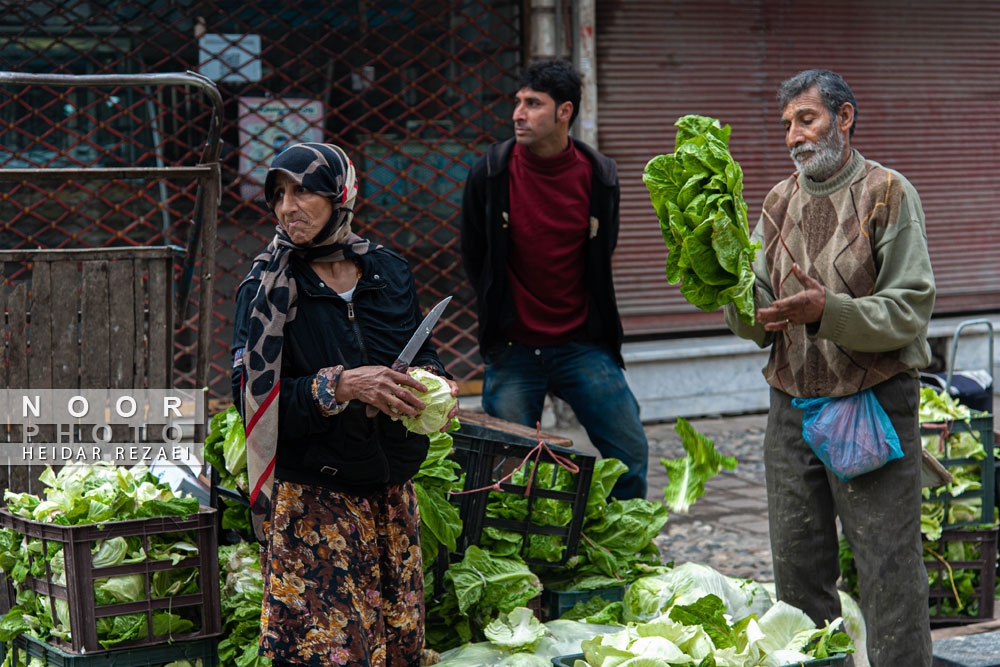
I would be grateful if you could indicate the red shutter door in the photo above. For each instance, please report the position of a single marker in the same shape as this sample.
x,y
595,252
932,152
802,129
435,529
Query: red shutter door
x,y
924,74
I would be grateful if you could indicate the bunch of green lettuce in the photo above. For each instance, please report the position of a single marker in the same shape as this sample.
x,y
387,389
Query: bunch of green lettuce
x,y
545,642
96,493
653,595
697,193
701,632
226,451
517,630
241,591
437,400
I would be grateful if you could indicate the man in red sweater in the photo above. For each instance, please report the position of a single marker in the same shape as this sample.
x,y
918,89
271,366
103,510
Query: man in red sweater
x,y
539,226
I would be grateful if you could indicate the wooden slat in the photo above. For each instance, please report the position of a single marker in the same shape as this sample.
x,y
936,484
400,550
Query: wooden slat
x,y
159,331
94,326
17,342
483,419
65,345
40,331
18,476
67,254
122,319
3,328
139,365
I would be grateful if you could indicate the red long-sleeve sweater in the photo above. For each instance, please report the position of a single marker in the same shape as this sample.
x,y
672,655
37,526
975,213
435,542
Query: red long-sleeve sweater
x,y
549,223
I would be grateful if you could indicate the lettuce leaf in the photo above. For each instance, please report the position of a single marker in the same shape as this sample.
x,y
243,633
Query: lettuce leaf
x,y
688,475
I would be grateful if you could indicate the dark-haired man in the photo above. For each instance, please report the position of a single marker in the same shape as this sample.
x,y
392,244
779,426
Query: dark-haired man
x,y
844,293
539,225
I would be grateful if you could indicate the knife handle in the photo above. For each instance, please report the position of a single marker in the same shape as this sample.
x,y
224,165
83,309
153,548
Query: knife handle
x,y
399,366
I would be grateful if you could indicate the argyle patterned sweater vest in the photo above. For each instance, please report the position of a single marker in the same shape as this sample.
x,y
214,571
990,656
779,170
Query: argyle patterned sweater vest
x,y
832,238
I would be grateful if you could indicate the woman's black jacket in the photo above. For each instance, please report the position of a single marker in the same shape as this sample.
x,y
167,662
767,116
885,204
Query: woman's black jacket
x,y
349,451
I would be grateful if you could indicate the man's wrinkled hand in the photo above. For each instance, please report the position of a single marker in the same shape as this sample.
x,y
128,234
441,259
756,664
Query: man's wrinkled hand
x,y
805,307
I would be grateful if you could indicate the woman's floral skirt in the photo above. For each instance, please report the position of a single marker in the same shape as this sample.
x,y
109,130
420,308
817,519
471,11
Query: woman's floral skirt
x,y
343,578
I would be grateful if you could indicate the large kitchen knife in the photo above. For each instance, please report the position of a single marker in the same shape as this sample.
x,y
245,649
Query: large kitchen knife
x,y
416,340
422,333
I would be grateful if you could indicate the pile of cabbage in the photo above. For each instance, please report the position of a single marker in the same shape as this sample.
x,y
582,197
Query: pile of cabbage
x,y
616,545
689,615
88,494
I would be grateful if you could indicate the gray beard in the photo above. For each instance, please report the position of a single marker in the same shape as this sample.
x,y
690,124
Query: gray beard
x,y
826,156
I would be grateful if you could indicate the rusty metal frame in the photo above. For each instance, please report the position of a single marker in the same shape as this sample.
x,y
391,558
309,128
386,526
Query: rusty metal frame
x,y
207,173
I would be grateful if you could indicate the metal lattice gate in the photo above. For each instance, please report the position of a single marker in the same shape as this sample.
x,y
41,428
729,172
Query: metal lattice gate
x,y
414,90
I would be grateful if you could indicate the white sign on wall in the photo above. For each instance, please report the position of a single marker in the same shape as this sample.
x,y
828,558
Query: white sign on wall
x,y
229,57
268,126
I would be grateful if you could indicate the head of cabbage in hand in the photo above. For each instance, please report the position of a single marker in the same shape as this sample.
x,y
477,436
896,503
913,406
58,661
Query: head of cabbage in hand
x,y
438,402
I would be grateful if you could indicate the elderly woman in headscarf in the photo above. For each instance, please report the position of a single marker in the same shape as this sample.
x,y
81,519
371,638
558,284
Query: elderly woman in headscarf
x,y
320,318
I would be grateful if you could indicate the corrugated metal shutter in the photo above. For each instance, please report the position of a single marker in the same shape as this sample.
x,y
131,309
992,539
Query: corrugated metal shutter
x,y
924,73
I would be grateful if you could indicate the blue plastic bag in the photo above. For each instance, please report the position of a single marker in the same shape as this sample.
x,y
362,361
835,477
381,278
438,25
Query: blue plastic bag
x,y
851,435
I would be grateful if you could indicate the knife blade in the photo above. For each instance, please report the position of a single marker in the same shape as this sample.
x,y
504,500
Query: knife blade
x,y
422,333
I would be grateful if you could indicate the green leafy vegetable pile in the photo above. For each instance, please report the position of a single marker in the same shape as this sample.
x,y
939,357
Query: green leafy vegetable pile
x,y
941,407
97,493
697,192
241,589
479,595
705,632
226,451
616,545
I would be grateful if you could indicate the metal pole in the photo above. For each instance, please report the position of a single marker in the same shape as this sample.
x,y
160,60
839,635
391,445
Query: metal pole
x,y
543,29
585,56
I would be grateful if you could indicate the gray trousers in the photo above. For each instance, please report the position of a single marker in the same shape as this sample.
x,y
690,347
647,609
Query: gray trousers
x,y
880,515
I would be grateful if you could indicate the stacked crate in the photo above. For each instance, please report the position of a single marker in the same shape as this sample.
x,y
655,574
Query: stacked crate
x,y
965,546
76,543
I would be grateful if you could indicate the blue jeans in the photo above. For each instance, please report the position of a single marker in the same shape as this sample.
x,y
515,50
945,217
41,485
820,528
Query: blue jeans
x,y
585,376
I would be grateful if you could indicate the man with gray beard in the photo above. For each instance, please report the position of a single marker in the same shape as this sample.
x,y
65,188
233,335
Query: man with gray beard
x,y
844,291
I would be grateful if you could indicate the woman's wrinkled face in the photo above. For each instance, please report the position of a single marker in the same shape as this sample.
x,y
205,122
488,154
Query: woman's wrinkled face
x,y
301,213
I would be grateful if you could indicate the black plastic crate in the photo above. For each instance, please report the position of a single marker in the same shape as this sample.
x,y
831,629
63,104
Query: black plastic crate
x,y
486,455
833,661
556,603
206,650
984,566
78,592
982,424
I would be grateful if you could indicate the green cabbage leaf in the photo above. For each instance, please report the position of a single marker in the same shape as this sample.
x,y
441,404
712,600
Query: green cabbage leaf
x,y
517,630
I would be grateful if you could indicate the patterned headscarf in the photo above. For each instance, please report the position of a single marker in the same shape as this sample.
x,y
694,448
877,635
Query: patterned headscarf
x,y
326,170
